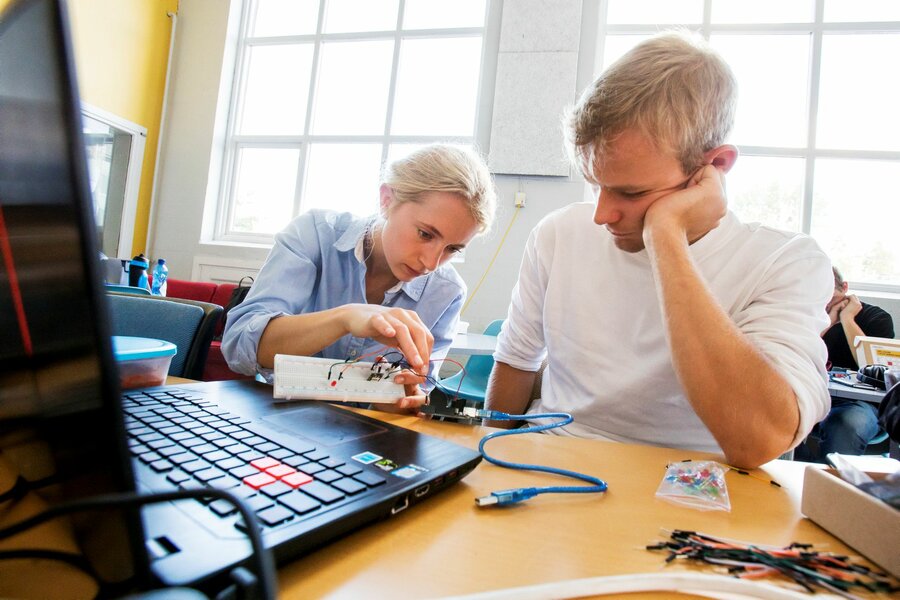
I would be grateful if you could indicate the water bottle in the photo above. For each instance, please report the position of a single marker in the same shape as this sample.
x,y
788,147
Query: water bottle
x,y
160,275
137,272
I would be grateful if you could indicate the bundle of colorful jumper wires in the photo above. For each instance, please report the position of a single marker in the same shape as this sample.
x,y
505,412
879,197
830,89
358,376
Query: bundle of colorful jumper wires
x,y
383,368
798,562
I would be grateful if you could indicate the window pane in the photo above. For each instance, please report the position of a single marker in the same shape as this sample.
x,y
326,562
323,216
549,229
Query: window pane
x,y
397,151
428,14
343,177
437,87
275,104
856,210
858,95
862,10
99,141
615,46
763,11
285,17
654,11
352,88
767,190
264,189
360,15
764,64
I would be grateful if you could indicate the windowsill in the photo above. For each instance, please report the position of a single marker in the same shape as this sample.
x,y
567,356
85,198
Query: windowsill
x,y
887,294
234,244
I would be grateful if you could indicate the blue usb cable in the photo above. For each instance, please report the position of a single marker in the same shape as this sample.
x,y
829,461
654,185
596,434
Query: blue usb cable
x,y
511,496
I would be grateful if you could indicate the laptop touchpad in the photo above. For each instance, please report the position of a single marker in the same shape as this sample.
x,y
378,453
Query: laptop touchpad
x,y
325,427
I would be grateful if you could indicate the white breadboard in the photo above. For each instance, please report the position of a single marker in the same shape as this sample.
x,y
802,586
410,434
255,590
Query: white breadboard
x,y
311,378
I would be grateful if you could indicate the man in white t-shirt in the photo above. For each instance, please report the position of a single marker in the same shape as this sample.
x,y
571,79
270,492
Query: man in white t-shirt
x,y
673,323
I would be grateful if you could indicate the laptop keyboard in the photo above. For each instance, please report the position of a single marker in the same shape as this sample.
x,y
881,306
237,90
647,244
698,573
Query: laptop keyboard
x,y
196,444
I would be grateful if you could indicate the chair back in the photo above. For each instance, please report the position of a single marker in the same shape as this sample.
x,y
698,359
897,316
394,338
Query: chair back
x,y
188,324
126,289
201,291
478,368
473,385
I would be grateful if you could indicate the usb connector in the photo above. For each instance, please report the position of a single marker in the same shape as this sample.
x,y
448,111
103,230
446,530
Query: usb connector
x,y
475,413
505,497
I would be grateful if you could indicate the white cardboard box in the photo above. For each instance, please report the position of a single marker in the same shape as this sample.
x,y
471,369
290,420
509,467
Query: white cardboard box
x,y
876,351
867,524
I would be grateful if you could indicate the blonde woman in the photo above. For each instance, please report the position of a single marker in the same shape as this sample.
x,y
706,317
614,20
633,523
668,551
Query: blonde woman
x,y
340,286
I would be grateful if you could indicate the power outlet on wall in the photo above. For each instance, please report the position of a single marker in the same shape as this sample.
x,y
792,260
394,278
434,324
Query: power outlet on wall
x,y
520,199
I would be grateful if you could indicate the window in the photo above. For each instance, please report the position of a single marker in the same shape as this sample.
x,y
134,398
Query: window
x,y
114,148
327,90
817,123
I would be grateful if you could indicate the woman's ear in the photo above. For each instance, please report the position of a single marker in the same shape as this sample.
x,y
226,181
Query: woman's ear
x,y
386,195
722,157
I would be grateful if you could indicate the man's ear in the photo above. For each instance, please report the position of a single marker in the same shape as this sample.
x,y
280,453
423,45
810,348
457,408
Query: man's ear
x,y
386,195
722,157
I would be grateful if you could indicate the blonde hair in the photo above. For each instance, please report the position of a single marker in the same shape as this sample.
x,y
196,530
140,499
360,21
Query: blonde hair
x,y
673,88
445,168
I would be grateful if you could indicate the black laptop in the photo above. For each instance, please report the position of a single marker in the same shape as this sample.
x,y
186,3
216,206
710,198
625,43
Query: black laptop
x,y
310,471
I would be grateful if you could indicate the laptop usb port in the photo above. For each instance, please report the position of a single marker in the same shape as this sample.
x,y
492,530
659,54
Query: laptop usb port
x,y
161,547
401,505
421,490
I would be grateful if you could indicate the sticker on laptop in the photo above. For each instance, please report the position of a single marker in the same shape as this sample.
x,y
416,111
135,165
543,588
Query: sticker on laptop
x,y
409,471
366,458
386,464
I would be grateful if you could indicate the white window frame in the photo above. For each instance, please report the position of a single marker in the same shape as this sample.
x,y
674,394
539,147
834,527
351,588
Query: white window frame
x,y
232,143
817,28
134,163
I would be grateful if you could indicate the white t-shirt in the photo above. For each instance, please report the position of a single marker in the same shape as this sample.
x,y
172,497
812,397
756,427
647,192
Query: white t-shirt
x,y
593,310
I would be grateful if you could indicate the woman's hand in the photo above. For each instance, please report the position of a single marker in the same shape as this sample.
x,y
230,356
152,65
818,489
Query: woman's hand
x,y
395,327
415,396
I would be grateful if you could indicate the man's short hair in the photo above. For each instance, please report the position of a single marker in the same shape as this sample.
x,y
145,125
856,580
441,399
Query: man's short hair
x,y
838,278
673,87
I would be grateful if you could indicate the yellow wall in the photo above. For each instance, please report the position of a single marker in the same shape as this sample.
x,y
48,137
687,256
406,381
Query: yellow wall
x,y
121,54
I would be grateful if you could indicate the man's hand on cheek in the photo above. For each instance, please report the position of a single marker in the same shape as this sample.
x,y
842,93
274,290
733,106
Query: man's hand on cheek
x,y
694,210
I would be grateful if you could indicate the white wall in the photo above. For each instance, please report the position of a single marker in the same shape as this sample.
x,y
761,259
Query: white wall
x,y
190,143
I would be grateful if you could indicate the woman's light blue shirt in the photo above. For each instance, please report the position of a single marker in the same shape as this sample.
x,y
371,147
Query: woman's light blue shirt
x,y
315,265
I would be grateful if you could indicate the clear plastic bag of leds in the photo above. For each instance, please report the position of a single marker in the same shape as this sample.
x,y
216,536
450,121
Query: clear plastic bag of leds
x,y
699,485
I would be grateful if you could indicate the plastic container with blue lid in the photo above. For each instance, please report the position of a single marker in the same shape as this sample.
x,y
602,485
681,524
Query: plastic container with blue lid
x,y
143,362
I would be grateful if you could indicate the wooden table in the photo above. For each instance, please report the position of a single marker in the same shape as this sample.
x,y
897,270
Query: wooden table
x,y
448,546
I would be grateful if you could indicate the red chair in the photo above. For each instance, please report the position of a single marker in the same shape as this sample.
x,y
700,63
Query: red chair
x,y
202,291
216,369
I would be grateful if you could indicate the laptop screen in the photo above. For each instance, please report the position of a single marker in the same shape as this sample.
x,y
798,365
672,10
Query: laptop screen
x,y
60,430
